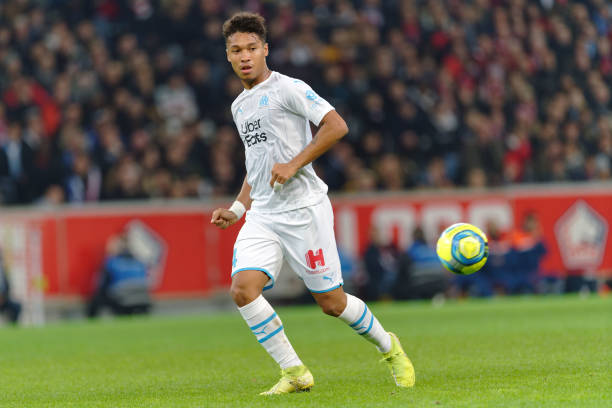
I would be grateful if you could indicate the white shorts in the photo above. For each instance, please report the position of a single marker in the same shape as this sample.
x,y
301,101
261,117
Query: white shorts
x,y
301,240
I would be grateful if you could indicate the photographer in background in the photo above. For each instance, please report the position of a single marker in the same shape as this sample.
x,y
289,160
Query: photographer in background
x,y
380,262
123,285
528,250
420,274
8,306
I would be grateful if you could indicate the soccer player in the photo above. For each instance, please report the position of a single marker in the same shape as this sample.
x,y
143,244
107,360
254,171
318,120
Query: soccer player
x,y
289,224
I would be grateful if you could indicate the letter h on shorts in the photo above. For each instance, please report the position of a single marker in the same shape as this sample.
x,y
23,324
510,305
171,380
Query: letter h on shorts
x,y
313,259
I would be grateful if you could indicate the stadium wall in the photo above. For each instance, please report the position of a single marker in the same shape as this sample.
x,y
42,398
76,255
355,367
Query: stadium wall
x,y
58,252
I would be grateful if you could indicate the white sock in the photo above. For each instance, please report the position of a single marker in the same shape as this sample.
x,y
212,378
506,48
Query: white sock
x,y
360,318
268,330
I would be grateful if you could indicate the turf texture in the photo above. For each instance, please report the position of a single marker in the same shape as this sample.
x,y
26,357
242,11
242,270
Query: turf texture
x,y
506,352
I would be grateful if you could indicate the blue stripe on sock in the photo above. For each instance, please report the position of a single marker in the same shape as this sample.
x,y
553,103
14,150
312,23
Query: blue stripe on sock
x,y
365,310
264,322
271,334
370,327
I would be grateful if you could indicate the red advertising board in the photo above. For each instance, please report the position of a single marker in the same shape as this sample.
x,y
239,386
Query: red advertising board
x,y
574,222
192,258
191,263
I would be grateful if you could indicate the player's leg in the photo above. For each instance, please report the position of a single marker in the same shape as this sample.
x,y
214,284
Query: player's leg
x,y
256,263
247,286
354,312
310,247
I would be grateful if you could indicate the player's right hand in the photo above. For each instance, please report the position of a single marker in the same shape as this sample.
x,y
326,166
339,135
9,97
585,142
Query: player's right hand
x,y
223,218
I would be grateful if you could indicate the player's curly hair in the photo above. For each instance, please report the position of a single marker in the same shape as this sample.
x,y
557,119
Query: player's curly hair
x,y
245,22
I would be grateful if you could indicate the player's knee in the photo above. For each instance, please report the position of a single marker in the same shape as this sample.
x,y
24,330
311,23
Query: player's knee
x,y
334,309
243,295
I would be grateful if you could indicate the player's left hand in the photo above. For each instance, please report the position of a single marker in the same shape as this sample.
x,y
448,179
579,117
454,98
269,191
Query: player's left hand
x,y
281,172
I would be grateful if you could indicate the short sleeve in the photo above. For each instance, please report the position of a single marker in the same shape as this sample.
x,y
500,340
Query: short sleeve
x,y
300,99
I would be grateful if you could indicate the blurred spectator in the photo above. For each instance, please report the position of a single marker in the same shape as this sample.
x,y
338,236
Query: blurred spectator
x,y
85,183
124,181
380,264
122,284
349,269
492,277
17,166
8,306
498,264
527,252
176,101
52,197
420,273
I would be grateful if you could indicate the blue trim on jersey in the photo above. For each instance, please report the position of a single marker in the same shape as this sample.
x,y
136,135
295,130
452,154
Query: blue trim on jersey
x,y
257,269
369,327
271,334
326,290
365,310
257,326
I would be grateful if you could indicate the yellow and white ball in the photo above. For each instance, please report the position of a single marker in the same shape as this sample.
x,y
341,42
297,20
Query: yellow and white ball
x,y
463,248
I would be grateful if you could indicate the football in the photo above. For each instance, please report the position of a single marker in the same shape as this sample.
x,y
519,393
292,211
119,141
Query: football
x,y
462,248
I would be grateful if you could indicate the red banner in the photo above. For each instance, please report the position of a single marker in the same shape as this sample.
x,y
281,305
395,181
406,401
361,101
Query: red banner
x,y
574,222
190,257
189,261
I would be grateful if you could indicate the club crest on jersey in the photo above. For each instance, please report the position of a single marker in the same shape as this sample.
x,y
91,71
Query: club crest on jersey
x,y
263,102
311,95
251,131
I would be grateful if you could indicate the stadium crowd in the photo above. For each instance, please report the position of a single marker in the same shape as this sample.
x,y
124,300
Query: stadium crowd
x,y
111,99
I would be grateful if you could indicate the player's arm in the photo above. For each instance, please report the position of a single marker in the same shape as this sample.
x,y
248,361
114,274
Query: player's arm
x,y
224,217
331,129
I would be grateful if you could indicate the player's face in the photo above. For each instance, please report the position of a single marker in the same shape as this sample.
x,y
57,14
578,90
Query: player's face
x,y
247,53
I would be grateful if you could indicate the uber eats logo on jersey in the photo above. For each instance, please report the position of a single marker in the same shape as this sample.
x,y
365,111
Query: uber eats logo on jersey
x,y
252,132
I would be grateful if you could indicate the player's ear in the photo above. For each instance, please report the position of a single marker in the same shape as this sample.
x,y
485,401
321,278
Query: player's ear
x,y
227,54
265,49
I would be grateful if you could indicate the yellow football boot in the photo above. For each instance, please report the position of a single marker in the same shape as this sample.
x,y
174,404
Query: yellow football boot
x,y
399,364
293,379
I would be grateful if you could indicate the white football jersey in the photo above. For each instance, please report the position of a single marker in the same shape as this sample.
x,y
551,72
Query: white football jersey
x,y
273,122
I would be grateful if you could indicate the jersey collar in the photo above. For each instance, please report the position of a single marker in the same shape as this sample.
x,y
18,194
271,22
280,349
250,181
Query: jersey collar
x,y
261,83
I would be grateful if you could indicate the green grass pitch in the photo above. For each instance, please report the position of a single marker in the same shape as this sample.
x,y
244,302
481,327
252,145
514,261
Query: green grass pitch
x,y
509,352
